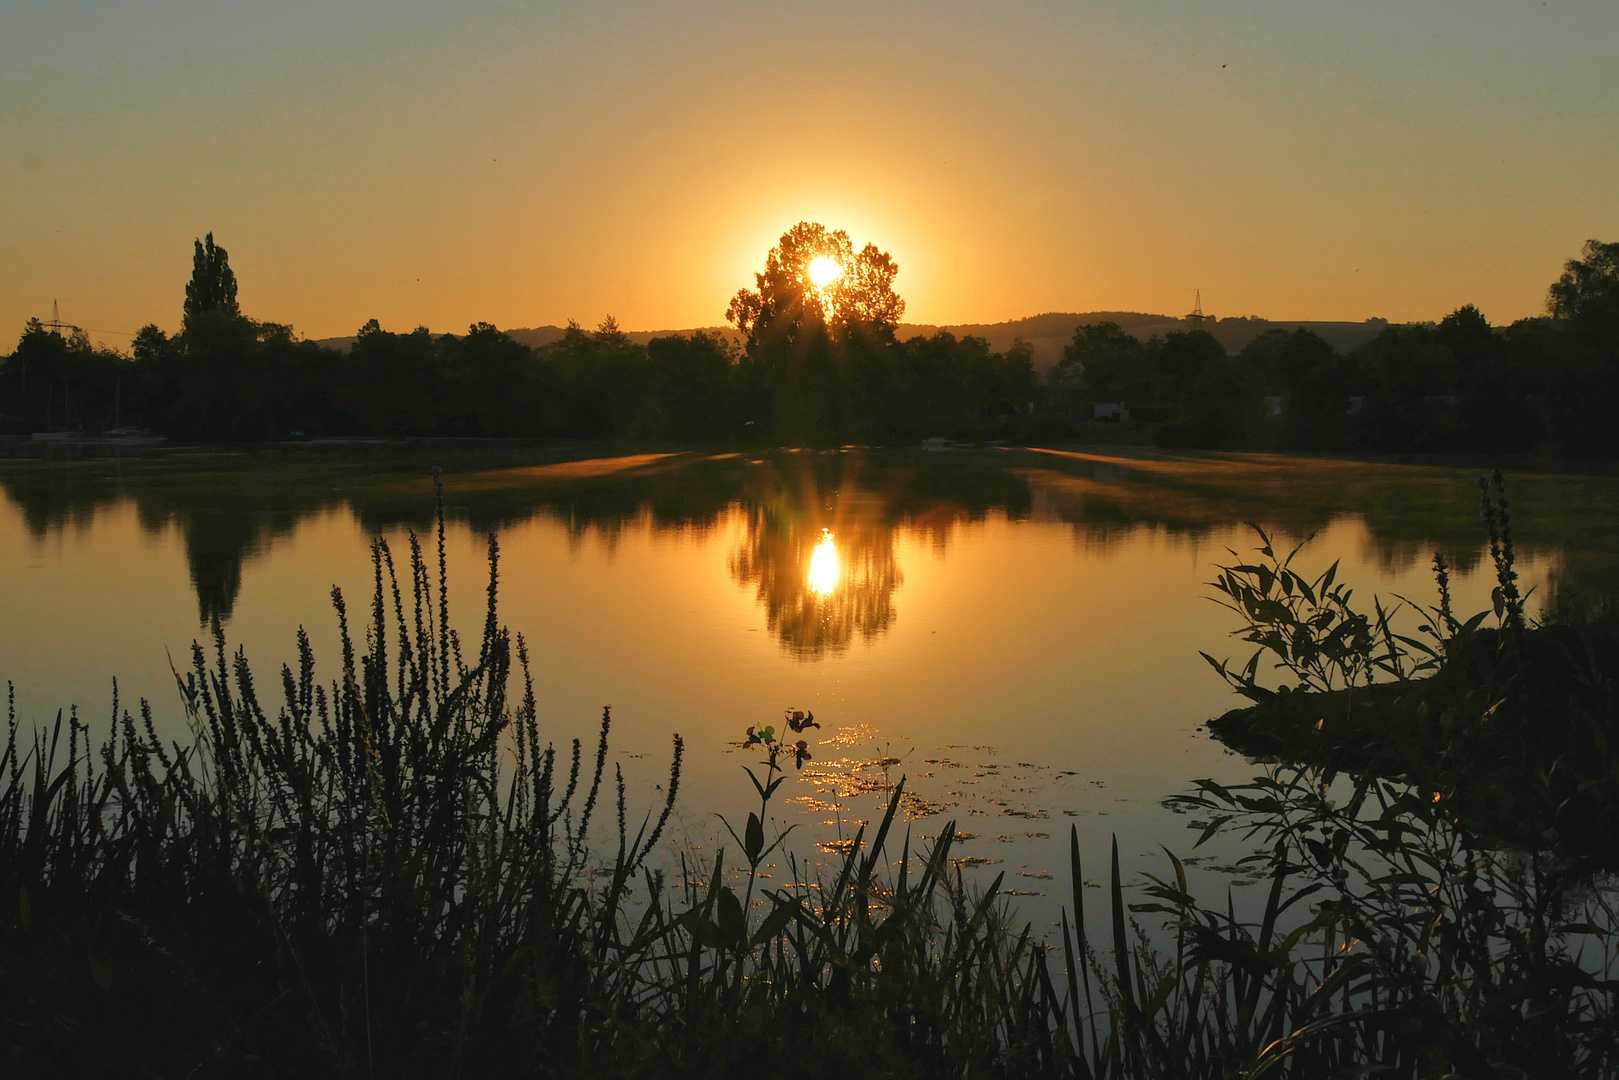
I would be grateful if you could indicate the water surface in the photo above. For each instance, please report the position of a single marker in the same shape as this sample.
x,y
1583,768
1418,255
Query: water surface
x,y
1015,632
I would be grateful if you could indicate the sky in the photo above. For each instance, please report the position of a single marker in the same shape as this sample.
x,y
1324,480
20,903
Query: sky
x,y
436,163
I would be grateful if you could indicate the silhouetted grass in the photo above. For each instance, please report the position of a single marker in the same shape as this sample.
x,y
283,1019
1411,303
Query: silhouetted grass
x,y
395,874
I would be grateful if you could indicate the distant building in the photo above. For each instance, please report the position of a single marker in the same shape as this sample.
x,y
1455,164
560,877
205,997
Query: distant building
x,y
1113,411
1273,405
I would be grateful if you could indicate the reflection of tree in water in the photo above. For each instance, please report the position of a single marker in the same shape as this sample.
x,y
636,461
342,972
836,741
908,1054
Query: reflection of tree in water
x,y
223,520
775,558
219,538
1409,510
862,500
229,508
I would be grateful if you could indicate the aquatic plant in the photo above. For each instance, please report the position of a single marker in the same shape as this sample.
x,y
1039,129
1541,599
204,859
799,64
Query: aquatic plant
x,y
1445,800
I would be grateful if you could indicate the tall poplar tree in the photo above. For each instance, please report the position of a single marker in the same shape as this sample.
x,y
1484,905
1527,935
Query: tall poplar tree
x,y
212,287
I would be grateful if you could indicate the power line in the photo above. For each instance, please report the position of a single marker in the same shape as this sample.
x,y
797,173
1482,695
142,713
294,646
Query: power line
x,y
56,325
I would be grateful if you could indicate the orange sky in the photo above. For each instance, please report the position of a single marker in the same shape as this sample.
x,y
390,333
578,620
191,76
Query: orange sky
x,y
436,163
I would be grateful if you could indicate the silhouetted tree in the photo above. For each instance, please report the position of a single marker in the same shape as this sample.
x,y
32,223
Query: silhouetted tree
x,y
1582,358
1589,286
1103,363
606,378
1285,357
60,381
812,342
1316,410
1183,356
396,384
821,363
693,381
788,301
1222,406
212,289
1407,378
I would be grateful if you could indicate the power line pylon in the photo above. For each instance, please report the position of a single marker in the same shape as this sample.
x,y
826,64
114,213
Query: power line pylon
x,y
56,325
1197,318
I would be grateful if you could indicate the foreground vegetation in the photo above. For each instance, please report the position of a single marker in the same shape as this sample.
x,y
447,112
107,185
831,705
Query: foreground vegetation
x,y
825,365
1510,727
394,874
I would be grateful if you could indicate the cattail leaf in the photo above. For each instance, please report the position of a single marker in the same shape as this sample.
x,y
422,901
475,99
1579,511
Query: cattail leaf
x,y
1121,949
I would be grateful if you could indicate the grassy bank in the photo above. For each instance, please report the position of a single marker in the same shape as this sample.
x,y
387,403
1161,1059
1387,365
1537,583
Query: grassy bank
x,y
393,872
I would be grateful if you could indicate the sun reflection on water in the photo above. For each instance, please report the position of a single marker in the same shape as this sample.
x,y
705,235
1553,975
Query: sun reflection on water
x,y
824,570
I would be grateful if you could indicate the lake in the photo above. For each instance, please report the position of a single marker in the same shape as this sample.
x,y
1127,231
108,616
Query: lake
x,y
1015,632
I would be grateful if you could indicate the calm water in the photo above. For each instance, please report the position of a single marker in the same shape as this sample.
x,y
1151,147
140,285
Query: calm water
x,y
1016,632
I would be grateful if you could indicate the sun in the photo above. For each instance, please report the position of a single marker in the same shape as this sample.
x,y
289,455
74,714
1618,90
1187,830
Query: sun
x,y
824,271
824,570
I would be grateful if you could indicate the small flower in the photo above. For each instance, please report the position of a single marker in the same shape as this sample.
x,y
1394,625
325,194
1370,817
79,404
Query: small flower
x,y
799,720
752,739
801,753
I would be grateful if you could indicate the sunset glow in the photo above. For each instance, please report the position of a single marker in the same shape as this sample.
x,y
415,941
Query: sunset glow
x,y
1042,158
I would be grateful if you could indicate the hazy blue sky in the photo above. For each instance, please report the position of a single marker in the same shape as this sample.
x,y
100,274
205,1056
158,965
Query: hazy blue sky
x,y
525,163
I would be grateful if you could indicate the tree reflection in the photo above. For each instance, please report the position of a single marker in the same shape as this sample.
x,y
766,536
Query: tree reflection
x,y
820,532
222,520
850,506
820,560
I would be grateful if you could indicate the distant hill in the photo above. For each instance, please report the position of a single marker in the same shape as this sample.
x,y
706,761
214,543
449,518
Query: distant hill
x,y
1048,333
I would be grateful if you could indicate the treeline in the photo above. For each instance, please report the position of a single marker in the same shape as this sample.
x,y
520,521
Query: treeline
x,y
1549,383
230,379
824,366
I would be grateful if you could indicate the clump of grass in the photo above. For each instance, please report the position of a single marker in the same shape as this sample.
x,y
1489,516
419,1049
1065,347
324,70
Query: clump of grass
x,y
382,875
1443,802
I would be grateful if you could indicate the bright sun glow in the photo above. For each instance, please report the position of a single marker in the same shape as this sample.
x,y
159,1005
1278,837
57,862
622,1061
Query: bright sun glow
x,y
823,271
823,572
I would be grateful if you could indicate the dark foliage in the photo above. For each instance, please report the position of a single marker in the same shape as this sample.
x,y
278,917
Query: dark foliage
x,y
1540,384
822,365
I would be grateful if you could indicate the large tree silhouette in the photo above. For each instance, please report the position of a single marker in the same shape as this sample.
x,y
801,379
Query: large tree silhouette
x,y
787,300
815,348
